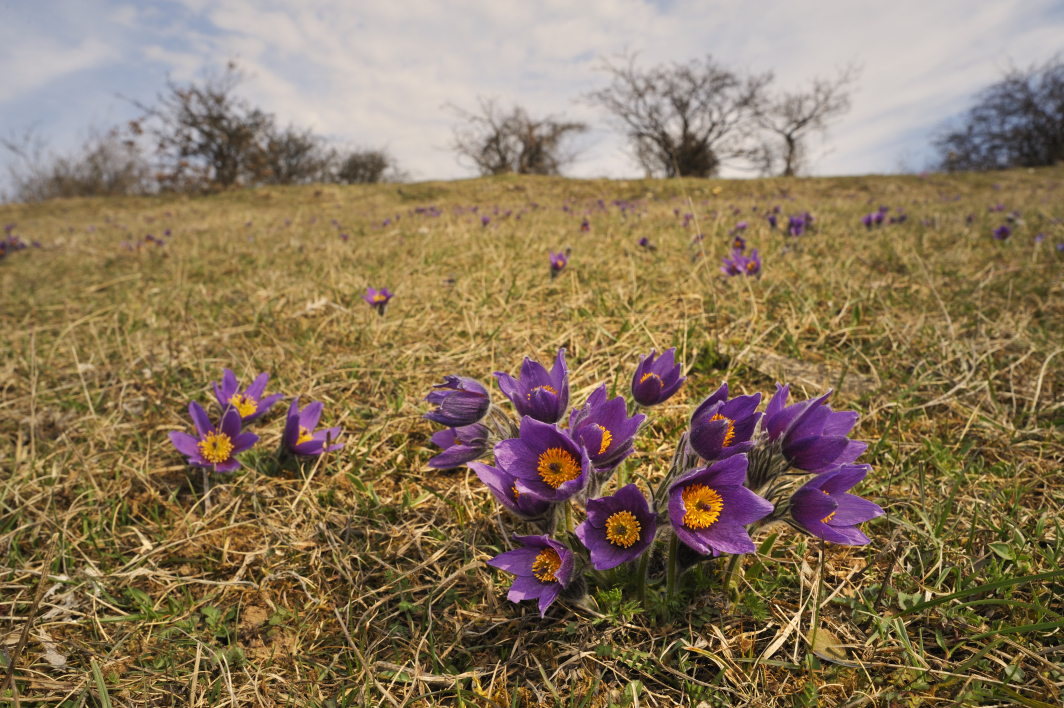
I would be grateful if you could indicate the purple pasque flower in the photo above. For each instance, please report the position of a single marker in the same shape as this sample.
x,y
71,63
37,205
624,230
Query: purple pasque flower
x,y
249,404
709,508
604,429
721,428
619,528
741,226
504,487
460,445
655,380
735,265
772,220
377,299
543,567
537,393
300,438
822,507
752,266
213,447
1002,232
867,220
459,401
558,261
546,462
812,437
738,243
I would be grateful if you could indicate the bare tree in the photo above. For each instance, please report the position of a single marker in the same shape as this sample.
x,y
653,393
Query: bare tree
x,y
1016,122
790,117
206,137
294,156
108,164
498,142
682,119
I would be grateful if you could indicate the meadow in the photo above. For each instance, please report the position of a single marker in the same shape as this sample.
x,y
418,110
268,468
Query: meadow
x,y
359,578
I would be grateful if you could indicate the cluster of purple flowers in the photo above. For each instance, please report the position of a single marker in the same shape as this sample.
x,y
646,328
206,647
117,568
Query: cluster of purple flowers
x,y
214,448
879,217
798,224
11,242
738,263
734,470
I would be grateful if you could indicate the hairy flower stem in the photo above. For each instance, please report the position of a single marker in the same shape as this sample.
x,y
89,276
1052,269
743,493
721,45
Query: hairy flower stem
x,y
725,584
641,573
673,572
568,517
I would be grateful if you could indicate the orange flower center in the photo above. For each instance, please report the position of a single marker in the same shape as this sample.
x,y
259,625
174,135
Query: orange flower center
x,y
556,466
730,435
244,405
546,565
622,529
304,436
607,438
542,388
654,376
216,448
702,506
830,516
379,297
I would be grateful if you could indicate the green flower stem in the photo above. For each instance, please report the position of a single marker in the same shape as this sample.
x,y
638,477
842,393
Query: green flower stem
x,y
674,546
733,563
568,517
641,579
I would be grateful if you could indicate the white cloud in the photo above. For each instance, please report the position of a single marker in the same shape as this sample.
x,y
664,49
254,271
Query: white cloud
x,y
380,72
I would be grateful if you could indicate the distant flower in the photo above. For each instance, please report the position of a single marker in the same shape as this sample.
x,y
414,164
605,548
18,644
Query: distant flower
x,y
558,261
619,528
1002,232
741,226
546,461
1039,238
753,263
213,447
738,243
503,487
709,508
299,436
460,445
1060,246
823,508
656,379
344,237
543,567
646,243
740,264
772,220
721,428
485,220
537,393
867,220
997,207
604,428
459,401
378,299
969,219
249,404
585,226
812,437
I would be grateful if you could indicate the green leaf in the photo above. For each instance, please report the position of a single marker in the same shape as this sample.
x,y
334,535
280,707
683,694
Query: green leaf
x,y
1003,550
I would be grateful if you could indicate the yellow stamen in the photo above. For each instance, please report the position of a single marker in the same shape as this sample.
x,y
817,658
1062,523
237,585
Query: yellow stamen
x,y
544,388
379,298
730,435
647,376
517,494
703,506
832,514
607,438
215,447
622,529
556,466
546,565
244,405
304,436
751,266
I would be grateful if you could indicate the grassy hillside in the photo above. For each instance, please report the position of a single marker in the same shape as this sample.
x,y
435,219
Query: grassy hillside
x,y
360,580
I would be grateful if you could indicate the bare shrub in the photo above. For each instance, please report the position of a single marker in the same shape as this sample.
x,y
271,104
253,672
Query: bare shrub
x,y
1016,122
789,118
108,164
294,156
499,142
682,119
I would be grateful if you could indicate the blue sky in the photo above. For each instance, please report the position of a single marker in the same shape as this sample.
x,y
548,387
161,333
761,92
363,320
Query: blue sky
x,y
371,73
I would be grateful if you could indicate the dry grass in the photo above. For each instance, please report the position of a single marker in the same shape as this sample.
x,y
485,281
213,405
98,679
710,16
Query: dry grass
x,y
361,580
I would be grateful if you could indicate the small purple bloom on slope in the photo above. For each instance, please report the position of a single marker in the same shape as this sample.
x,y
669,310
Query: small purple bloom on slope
x,y
485,220
378,299
547,463
619,528
299,436
721,428
738,243
823,508
536,392
543,567
812,437
1002,232
656,379
213,447
459,401
250,403
772,221
460,445
558,261
710,508
605,430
